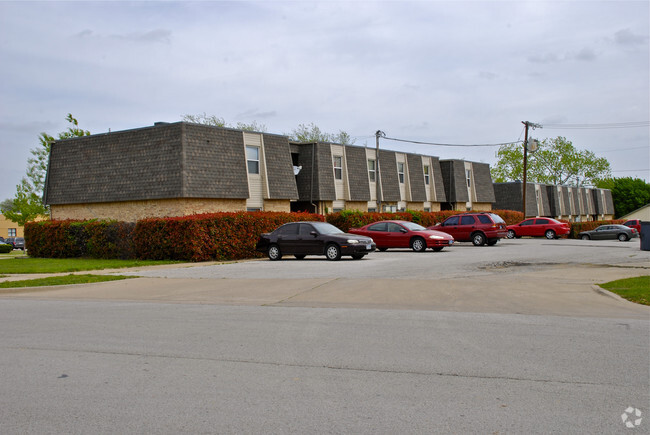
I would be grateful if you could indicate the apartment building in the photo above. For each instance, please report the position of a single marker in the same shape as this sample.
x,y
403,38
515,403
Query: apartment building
x,y
176,169
572,203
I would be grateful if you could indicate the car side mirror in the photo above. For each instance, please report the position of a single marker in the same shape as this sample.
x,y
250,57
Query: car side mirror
x,y
314,233
403,230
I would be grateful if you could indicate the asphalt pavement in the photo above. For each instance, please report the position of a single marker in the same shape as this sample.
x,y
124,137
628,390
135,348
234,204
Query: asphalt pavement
x,y
515,338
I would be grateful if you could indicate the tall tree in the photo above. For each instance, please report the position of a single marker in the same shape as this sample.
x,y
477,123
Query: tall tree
x,y
628,193
28,202
556,161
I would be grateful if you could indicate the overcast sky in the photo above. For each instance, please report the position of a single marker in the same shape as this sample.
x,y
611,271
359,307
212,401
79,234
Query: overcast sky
x,y
455,72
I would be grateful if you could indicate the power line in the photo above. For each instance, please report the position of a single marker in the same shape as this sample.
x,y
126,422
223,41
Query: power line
x,y
631,124
449,144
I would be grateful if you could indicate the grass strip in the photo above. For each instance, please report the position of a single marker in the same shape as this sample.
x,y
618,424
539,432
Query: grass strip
x,y
63,265
61,280
635,289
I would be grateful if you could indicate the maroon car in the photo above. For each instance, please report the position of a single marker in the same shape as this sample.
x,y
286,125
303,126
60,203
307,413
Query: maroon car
x,y
478,227
634,223
539,227
404,234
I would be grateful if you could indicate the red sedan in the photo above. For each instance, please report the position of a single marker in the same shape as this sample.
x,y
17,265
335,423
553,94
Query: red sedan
x,y
539,227
404,234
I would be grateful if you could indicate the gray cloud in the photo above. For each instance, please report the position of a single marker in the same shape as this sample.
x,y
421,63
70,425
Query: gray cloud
x,y
627,37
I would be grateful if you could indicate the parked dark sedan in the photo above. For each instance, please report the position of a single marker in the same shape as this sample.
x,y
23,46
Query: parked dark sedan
x,y
620,232
404,234
313,238
16,242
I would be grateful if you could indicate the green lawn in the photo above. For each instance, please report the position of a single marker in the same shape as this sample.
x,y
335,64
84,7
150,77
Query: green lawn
x,y
11,263
60,280
633,289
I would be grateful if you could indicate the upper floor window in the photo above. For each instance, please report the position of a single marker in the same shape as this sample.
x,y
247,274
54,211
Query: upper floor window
x,y
338,167
468,176
426,174
253,159
11,232
400,172
372,170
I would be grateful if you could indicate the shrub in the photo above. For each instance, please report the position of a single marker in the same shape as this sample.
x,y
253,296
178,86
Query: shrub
x,y
5,248
69,239
215,236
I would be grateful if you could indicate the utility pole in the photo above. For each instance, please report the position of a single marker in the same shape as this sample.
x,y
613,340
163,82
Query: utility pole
x,y
378,134
523,194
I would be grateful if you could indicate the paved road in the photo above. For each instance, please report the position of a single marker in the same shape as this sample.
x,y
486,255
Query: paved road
x,y
88,367
509,339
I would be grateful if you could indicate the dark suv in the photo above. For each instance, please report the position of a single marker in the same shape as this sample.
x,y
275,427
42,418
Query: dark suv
x,y
477,228
16,242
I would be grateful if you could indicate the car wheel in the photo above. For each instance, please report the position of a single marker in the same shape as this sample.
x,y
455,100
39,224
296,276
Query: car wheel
x,y
585,237
300,256
333,252
274,253
358,256
511,234
437,249
478,239
550,234
623,237
418,244
492,242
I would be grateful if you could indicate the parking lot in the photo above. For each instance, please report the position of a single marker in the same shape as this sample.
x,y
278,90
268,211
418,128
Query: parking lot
x,y
521,276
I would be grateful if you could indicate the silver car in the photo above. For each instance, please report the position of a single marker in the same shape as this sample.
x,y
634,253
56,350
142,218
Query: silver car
x,y
620,232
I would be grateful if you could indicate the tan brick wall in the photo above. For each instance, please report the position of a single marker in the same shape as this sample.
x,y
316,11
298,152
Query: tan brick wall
x,y
277,205
356,205
481,206
415,206
5,224
131,211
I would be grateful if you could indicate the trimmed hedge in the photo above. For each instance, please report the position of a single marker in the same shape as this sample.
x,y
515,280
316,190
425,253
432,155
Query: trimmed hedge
x,y
347,219
5,248
217,236
70,239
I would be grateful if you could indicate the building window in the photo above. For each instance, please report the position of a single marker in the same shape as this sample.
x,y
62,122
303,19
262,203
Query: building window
x,y
253,209
11,232
253,159
372,171
426,174
400,172
338,167
468,176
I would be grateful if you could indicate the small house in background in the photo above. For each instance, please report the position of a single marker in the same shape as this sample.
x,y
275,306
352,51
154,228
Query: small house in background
x,y
9,228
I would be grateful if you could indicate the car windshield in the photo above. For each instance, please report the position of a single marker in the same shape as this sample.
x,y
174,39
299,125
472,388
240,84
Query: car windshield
x,y
325,228
413,226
